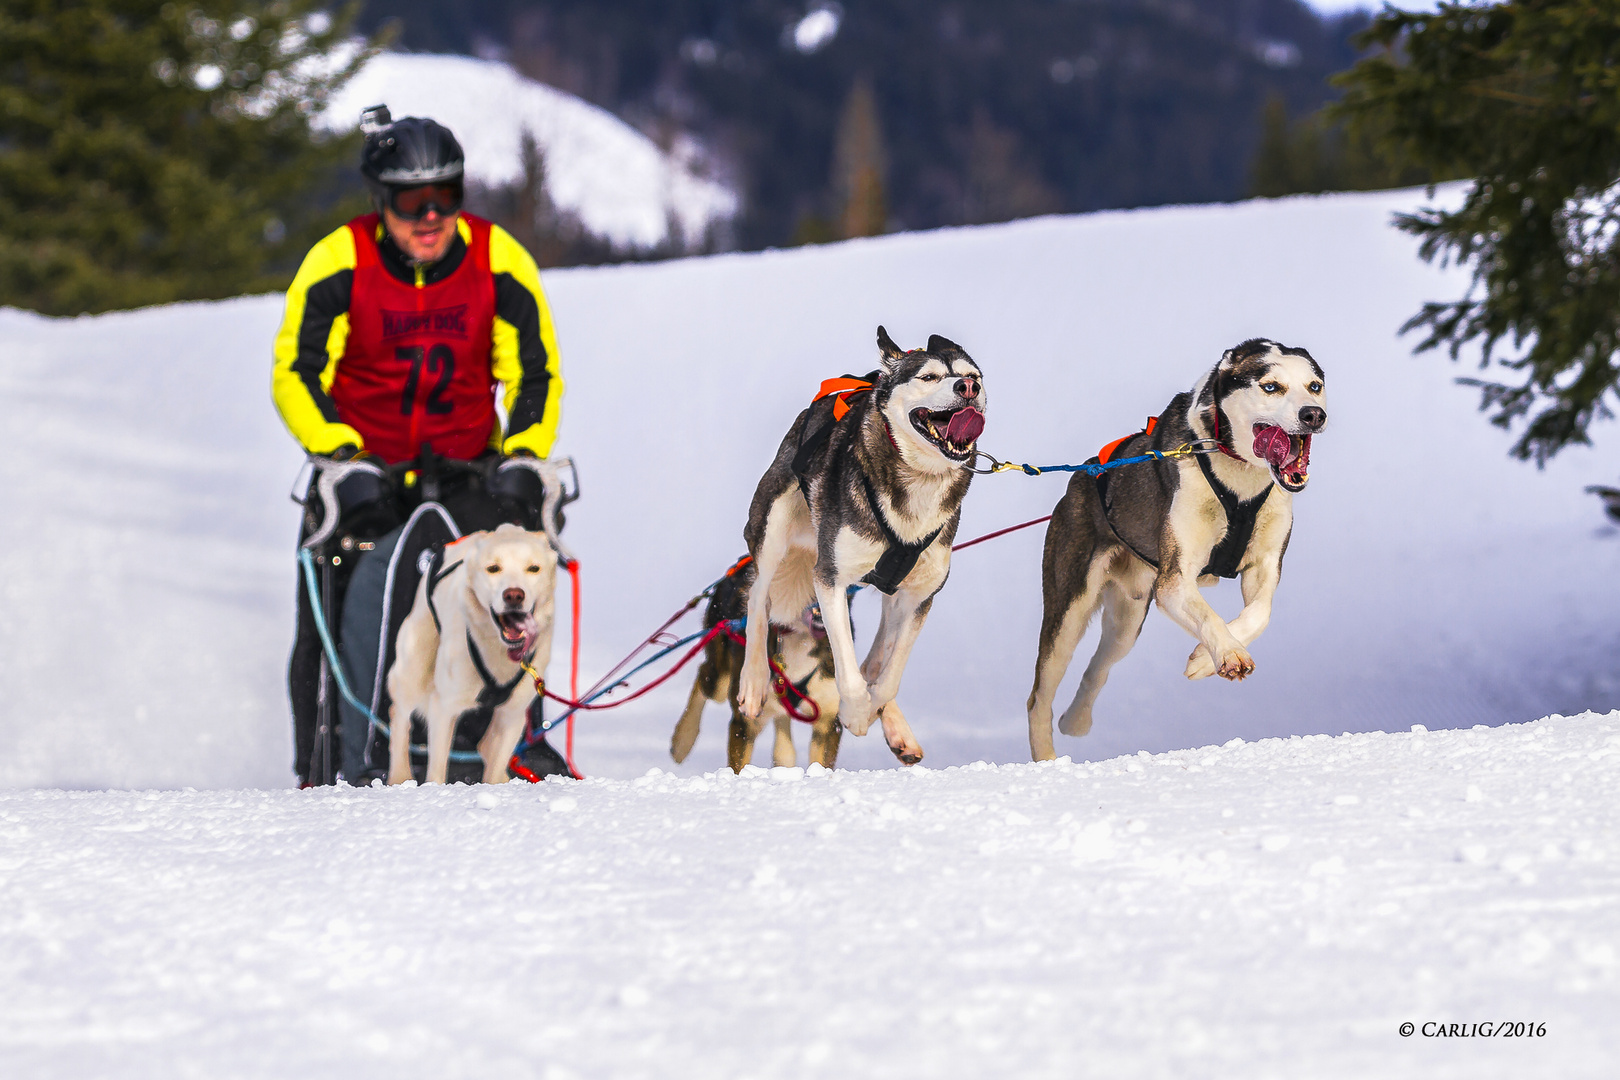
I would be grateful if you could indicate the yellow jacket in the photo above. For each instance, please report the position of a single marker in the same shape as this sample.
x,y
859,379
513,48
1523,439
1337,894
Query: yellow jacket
x,y
315,326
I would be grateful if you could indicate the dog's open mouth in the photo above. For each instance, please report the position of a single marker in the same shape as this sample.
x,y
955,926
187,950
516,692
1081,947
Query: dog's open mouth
x,y
1288,455
518,631
953,431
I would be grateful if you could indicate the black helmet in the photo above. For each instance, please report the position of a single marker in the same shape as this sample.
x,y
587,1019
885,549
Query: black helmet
x,y
406,153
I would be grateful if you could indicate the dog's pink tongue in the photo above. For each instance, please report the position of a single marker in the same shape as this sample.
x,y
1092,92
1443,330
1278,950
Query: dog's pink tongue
x,y
1273,445
523,647
965,426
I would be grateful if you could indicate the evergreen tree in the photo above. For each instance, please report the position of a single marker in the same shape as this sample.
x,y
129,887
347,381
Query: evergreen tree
x,y
1524,96
155,151
859,165
1003,183
553,236
1318,154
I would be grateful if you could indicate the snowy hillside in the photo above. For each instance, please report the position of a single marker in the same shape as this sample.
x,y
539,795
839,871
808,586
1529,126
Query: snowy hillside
x,y
146,552
1277,909
618,181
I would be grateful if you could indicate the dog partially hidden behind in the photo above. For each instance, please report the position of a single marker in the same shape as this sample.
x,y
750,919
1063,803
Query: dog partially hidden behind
x,y
867,487
800,648
482,611
1157,530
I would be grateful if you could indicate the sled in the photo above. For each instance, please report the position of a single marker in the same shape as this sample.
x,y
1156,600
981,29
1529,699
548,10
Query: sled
x,y
356,510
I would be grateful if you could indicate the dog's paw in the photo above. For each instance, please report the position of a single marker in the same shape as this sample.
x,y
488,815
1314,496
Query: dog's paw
x,y
1076,721
751,695
897,734
909,752
1236,664
1200,665
856,714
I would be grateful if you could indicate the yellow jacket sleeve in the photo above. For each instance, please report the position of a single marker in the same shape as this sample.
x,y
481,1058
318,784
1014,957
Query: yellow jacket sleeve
x,y
523,357
314,328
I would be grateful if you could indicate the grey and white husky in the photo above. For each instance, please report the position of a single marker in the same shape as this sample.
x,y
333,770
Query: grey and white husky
x,y
866,487
1158,530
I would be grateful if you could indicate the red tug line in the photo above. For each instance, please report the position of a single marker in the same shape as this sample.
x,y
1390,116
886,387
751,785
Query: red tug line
x,y
781,685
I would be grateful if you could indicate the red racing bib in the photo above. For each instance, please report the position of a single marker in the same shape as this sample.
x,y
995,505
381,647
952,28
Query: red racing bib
x,y
415,370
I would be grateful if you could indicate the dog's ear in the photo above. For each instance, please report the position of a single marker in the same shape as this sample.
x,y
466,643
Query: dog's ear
x,y
938,345
888,351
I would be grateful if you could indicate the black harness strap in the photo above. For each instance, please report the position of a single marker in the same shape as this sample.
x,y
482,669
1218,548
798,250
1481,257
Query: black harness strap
x,y
895,563
1227,557
812,439
1108,516
1240,520
900,557
494,694
436,575
809,443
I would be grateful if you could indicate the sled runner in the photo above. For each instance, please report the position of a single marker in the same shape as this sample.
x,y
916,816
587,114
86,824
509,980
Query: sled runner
x,y
387,523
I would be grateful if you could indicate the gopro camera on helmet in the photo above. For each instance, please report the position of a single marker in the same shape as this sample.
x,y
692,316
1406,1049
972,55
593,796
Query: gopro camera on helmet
x,y
374,119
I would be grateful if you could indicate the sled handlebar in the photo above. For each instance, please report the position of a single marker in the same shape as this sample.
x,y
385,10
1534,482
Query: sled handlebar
x,y
329,473
558,494
559,478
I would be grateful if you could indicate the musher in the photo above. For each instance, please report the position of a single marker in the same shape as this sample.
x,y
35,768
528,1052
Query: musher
x,y
397,328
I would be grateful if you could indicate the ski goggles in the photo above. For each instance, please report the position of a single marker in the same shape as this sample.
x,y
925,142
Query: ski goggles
x,y
415,203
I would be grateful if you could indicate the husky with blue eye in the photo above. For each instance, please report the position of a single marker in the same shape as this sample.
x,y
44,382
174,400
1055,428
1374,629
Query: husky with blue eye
x,y
1157,530
866,488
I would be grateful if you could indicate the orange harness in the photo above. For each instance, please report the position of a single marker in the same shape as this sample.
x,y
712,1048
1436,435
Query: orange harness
x,y
843,389
1107,452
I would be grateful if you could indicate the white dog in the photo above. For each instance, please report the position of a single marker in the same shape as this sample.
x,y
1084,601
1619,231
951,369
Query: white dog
x,y
482,611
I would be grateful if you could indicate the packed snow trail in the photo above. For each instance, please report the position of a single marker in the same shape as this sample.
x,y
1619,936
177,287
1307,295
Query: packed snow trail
x,y
146,552
1275,909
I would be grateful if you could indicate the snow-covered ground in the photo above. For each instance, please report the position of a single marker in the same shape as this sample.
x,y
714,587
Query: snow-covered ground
x,y
1271,908
1276,909
620,183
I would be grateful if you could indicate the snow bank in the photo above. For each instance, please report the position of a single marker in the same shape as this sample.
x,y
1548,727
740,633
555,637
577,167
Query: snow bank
x,y
618,181
146,552
1276,909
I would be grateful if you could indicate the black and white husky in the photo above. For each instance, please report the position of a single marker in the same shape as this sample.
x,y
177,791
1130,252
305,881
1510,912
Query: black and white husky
x,y
1158,530
866,487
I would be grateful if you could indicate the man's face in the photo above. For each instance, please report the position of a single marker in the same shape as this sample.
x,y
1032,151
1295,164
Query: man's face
x,y
425,240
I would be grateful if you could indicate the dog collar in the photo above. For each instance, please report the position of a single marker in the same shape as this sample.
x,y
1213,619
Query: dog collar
x,y
889,431
1216,424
